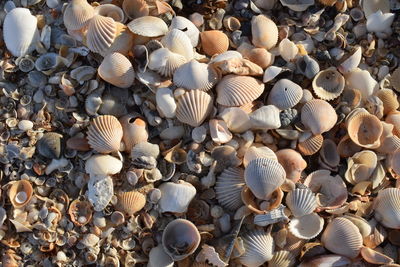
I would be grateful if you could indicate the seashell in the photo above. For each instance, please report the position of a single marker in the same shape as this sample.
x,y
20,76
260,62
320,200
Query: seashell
x,y
329,157
166,102
264,32
375,257
48,62
372,6
195,75
318,116
180,239
117,70
20,193
258,152
110,11
178,42
379,22
394,118
263,176
78,143
231,23
311,145
214,42
105,134
270,73
389,99
285,94
230,54
301,202
307,226
176,197
103,165
101,33
194,107
342,237
25,64
330,260
282,258
49,145
361,166
219,131
307,66
80,212
351,62
292,162
386,208
134,131
261,57
228,188
148,26
123,42
394,161
100,192
165,62
259,248
159,258
395,79
297,6
130,202
77,14
144,155
328,84
236,119
239,66
288,50
135,8
271,217
83,73
363,81
185,25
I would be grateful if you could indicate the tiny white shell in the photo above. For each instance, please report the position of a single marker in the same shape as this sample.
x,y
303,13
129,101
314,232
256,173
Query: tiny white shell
x,y
363,81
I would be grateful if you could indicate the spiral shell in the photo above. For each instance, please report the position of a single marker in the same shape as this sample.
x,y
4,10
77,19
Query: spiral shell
x,y
148,26
307,226
285,94
20,193
165,62
214,42
194,107
130,202
105,134
117,70
259,248
195,75
178,42
328,84
264,32
101,33
228,188
387,207
318,115
301,202
134,131
77,14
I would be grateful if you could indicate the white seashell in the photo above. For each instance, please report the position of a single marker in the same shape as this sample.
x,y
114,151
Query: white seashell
x,y
148,26
285,94
271,217
387,207
20,32
135,8
363,81
371,6
117,70
318,116
165,62
264,32
195,75
297,6
219,131
226,56
100,191
237,119
103,165
328,84
271,72
307,226
258,152
379,22
101,33
352,62
178,42
301,202
185,25
235,90
194,107
159,258
176,197
228,188
259,248
111,11
288,50
266,117
166,102
361,166
145,149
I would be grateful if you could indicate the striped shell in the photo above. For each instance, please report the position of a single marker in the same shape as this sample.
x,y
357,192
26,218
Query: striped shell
x,y
195,75
394,118
318,116
130,202
328,84
148,26
165,62
214,42
112,11
265,118
77,14
135,8
178,42
387,207
228,188
389,99
364,129
193,107
311,145
134,131
101,33
122,43
282,258
285,94
307,226
342,237
258,152
259,248
263,176
185,25
234,90
20,193
301,202
117,70
264,32
105,134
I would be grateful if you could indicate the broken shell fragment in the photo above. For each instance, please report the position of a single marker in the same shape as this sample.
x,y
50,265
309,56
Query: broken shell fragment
x,y
134,131
135,8
185,25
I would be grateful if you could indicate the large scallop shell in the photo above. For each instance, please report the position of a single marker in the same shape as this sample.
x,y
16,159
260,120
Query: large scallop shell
x,y
105,134
328,84
77,14
263,176
311,145
387,207
259,248
101,33
20,193
214,42
130,202
117,70
285,94
176,197
134,131
148,26
307,226
234,90
318,115
342,237
165,62
228,188
301,201
195,75
292,162
264,32
194,107
178,42
135,8
185,25
389,100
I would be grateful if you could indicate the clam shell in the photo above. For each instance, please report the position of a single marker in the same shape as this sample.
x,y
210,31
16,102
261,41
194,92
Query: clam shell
x,y
301,202
288,50
270,73
258,152
363,81
292,162
20,32
185,25
285,94
347,148
194,107
228,188
103,165
259,56
214,42
236,119
49,145
111,11
117,70
265,118
176,197
195,75
307,226
230,54
311,145
105,134
123,41
308,66
259,248
77,14
263,176
264,32
329,260
282,258
148,26
130,202
101,33
387,207
20,193
178,42
297,6
159,258
135,8
81,212
318,116
364,129
351,62
389,99
134,131
342,237
328,84
165,62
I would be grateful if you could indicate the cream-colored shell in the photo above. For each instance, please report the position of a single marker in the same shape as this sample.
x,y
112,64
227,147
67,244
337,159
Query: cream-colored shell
x,y
166,104
101,33
282,258
264,32
111,11
135,8
176,197
288,50
185,25
301,202
352,61
105,134
194,107
77,14
363,81
117,70
328,84
103,165
234,90
219,131
258,152
292,162
130,202
195,75
20,193
178,42
148,26
228,188
259,248
285,94
134,130
165,62
307,226
361,166
236,119
318,116
266,118
371,6
387,207
389,100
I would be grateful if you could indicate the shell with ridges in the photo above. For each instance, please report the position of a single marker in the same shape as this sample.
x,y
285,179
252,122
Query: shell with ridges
x,y
134,131
117,70
214,42
307,226
101,33
389,99
361,166
105,134
387,208
130,202
178,42
135,8
282,258
301,202
165,62
194,107
185,25
111,11
77,14
285,94
20,193
328,84
264,32
228,188
259,248
318,115
265,118
148,26
258,152
311,145
195,75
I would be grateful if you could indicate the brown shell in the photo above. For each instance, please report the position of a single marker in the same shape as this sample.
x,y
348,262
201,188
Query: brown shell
x,y
193,107
20,193
292,162
214,42
77,14
311,145
264,32
81,212
134,131
130,202
105,134
101,33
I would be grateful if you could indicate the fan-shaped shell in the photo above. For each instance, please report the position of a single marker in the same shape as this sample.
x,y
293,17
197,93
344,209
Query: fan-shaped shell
x,y
236,119
178,42
117,70
20,193
111,11
307,226
285,94
148,26
301,202
297,6
259,248
194,107
282,258
214,42
134,131
311,145
318,115
258,152
263,176
264,32
266,117
389,99
328,84
185,25
101,33
364,129
292,162
105,134
77,14
195,75
342,237
122,43
228,188
135,8
130,202
20,32
165,62
387,207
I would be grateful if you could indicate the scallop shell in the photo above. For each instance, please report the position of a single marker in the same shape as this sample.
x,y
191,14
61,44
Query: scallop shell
x,y
258,152
285,94
148,26
228,188
342,237
371,6
311,145
130,202
214,42
282,258
259,248
308,66
292,162
195,75
105,134
176,197
329,260
288,50
134,131
263,176
135,8
234,90
389,99
101,33
363,81
301,202
165,62
20,32
110,11
185,25
318,116
194,107
328,84
352,61
264,32
307,226
20,193
178,42
81,212
387,207
117,70
364,129
265,118
103,165
77,14
297,6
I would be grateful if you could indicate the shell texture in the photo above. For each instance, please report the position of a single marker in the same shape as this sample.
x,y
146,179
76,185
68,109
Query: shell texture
x,y
111,11
307,226
20,193
100,192
195,75
297,5
214,42
328,84
292,162
130,202
234,90
364,129
285,94
77,14
101,33
351,63
258,152
308,66
282,258
178,42
194,107
135,8
165,62
166,102
134,131
228,188
318,115
264,32
49,145
103,165
185,25
389,100
176,197
105,134
363,81
266,117
288,50
259,248
117,70
301,202
148,26
387,208
371,6
311,145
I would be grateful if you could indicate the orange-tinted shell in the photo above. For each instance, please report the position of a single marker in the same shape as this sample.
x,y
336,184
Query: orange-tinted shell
x,y
389,99
81,212
135,8
117,70
311,145
130,202
292,162
20,193
101,33
365,129
264,32
105,134
194,107
214,42
134,131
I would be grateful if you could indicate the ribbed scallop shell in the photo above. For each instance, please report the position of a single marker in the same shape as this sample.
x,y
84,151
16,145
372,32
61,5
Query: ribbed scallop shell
x,y
134,131
130,202
165,62
228,188
307,226
178,42
185,25
148,26
264,32
318,115
105,134
259,248
135,8
101,33
112,11
311,145
117,70
328,84
77,14
234,90
258,152
285,94
194,107
387,207
342,237
195,75
263,176
389,99
282,258
20,193
301,202
214,42
365,129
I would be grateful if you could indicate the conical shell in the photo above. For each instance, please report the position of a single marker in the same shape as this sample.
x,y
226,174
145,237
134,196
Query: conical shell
x,y
318,116
130,202
81,212
195,75
234,90
285,94
301,202
148,26
307,226
185,25
77,14
259,248
101,33
105,134
389,99
228,188
328,84
387,208
165,62
135,8
311,145
20,193
214,42
134,131
117,70
264,32
258,152
364,129
282,258
194,107
178,42
263,176
292,162
176,197
342,237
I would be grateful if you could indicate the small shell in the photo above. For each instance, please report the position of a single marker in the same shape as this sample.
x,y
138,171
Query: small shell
x,y
285,94
49,62
103,165
228,188
130,202
135,8
80,212
389,99
123,41
148,26
105,134
363,81
258,152
311,145
387,209
288,50
330,260
265,118
292,162
159,258
307,226
49,145
178,42
328,84
308,66
264,32
301,202
195,75
259,248
194,107
219,131
329,156
395,161
176,197
100,192
361,166
352,61
236,119
165,62
117,70
318,116
165,102
394,118
214,42
185,25
101,33
371,6
297,6
110,11
134,131
270,73
395,79
20,193
77,14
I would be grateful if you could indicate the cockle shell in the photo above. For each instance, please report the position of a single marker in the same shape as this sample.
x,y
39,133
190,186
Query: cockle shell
x,y
266,117
81,212
307,226
105,134
20,193
394,161
185,25
20,32
130,202
352,61
234,90
117,70
282,258
297,5
165,62
301,202
311,145
178,42
134,131
292,162
194,107
328,84
214,42
103,165
264,32
195,75
387,207
148,26
259,248
308,66
285,94
258,152
318,115
135,8
176,197
110,11
77,14
288,50
361,166
228,188
101,33
363,81
389,100
342,237
236,119
260,56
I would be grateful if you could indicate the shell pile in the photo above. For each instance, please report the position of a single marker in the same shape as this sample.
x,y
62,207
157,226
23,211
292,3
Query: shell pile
x,y
200,133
